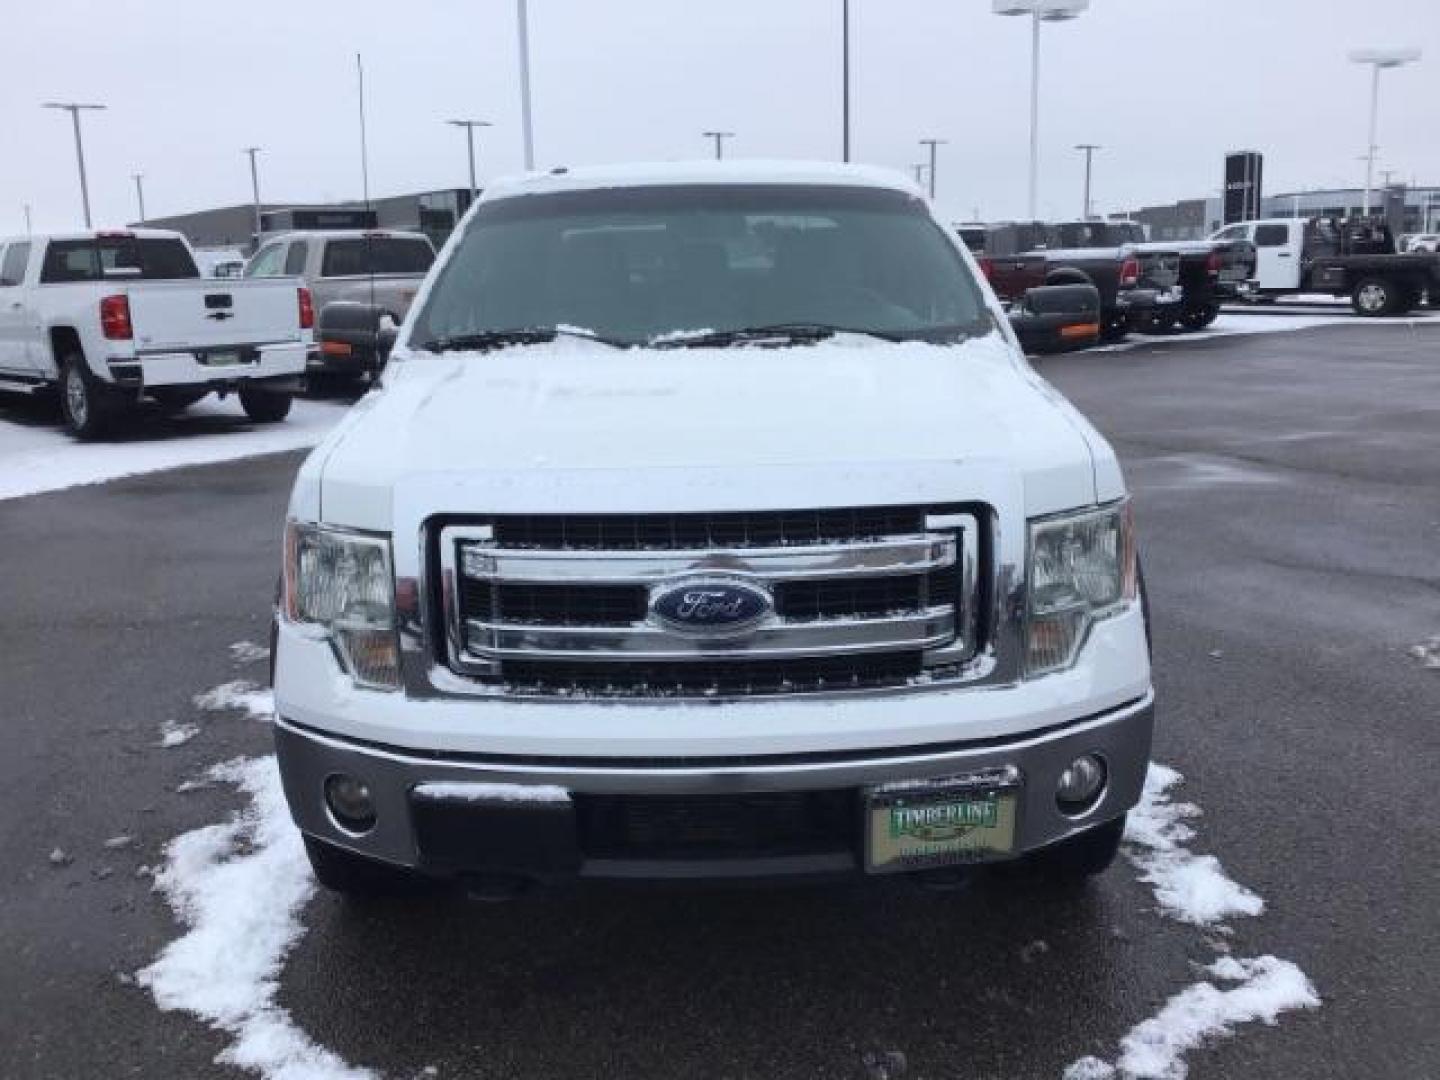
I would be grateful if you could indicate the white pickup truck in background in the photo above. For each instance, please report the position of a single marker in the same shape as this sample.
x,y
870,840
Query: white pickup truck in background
x,y
114,319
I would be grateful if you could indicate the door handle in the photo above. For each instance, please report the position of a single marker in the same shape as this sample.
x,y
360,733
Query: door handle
x,y
1284,255
16,306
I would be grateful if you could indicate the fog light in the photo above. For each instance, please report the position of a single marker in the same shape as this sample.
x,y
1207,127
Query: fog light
x,y
350,802
1081,784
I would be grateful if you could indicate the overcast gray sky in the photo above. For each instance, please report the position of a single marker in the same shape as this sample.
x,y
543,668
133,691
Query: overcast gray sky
x,y
1167,86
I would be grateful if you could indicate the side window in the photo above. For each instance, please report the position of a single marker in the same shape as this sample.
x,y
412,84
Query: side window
x,y
268,262
295,259
1234,232
12,270
1277,235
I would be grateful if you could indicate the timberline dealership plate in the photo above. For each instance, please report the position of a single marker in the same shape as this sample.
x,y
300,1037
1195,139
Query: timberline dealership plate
x,y
950,822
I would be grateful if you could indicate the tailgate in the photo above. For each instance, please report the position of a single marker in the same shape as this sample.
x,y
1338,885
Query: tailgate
x,y
174,316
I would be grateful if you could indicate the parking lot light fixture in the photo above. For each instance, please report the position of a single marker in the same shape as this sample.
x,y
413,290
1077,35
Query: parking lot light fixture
x,y
719,137
932,144
251,151
74,108
1039,11
140,193
1379,60
470,126
1089,151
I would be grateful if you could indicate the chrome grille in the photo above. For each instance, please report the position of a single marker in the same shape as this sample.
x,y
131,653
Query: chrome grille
x,y
559,605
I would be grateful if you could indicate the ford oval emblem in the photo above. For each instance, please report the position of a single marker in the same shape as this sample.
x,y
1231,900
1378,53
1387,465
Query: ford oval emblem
x,y
710,607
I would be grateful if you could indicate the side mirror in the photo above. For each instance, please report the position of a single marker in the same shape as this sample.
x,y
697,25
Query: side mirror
x,y
1057,318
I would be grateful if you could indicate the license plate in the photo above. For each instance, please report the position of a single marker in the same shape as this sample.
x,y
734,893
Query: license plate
x,y
221,358
939,823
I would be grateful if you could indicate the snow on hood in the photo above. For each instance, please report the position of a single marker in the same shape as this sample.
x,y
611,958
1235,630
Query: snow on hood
x,y
531,413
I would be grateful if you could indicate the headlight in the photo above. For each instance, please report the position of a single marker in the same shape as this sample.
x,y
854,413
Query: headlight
x,y
341,582
1082,568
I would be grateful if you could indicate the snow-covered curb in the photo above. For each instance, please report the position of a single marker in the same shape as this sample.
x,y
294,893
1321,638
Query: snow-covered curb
x,y
239,887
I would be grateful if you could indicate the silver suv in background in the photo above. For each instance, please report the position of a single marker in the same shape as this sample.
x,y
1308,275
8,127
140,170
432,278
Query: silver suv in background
x,y
373,274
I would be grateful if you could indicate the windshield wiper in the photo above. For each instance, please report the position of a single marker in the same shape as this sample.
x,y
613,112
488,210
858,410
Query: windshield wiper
x,y
785,333
484,340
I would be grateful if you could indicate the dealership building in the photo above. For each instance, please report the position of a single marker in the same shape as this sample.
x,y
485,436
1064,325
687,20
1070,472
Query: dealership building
x,y
434,213
1410,209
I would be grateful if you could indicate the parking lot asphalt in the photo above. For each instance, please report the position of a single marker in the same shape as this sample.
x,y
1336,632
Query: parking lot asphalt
x,y
1288,498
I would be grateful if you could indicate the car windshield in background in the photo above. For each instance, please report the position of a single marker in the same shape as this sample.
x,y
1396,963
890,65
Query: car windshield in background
x,y
132,257
376,255
640,265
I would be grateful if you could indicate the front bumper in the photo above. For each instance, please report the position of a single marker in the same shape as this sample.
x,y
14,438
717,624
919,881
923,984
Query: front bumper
x,y
548,819
190,369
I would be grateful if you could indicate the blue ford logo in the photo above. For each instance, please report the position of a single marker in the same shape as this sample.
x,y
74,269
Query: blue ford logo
x,y
710,607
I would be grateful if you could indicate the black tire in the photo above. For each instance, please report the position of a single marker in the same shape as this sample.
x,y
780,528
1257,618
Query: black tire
x,y
1159,321
1198,318
1114,326
357,877
87,405
1374,297
177,399
1081,857
265,406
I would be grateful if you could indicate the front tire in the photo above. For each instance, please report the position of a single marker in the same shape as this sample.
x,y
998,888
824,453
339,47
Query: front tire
x,y
1198,318
356,877
1374,297
264,406
87,405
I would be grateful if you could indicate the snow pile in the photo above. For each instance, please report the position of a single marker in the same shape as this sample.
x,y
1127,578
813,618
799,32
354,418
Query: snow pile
x,y
1202,1012
36,459
241,694
1191,888
239,887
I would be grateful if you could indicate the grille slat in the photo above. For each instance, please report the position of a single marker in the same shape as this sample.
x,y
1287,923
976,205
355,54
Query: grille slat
x,y
675,532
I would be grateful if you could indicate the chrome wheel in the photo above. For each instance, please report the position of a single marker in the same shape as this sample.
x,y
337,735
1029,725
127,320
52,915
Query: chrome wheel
x,y
1373,297
77,397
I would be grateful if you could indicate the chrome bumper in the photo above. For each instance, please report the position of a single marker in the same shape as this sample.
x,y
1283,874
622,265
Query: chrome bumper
x,y
1121,736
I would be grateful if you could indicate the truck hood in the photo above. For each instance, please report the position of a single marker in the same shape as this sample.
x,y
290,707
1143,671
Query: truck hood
x,y
574,426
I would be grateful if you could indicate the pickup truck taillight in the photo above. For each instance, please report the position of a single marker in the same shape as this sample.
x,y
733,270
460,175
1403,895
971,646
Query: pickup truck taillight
x,y
115,318
307,309
1130,273
1213,262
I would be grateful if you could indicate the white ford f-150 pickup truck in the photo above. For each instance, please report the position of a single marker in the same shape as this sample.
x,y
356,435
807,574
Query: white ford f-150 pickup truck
x,y
708,522
117,317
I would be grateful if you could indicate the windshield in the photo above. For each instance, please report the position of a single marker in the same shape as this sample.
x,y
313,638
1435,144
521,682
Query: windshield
x,y
376,255
635,265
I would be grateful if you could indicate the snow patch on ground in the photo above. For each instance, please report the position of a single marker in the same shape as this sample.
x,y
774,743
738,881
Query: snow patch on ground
x,y
1201,1013
1263,321
239,888
37,458
247,652
241,694
1191,888
1428,653
175,734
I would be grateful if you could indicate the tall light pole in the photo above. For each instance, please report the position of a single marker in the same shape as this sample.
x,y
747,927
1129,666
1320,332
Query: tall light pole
x,y
1039,11
1089,149
28,227
470,126
74,108
522,27
139,192
919,170
1378,59
844,80
932,144
254,188
719,137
